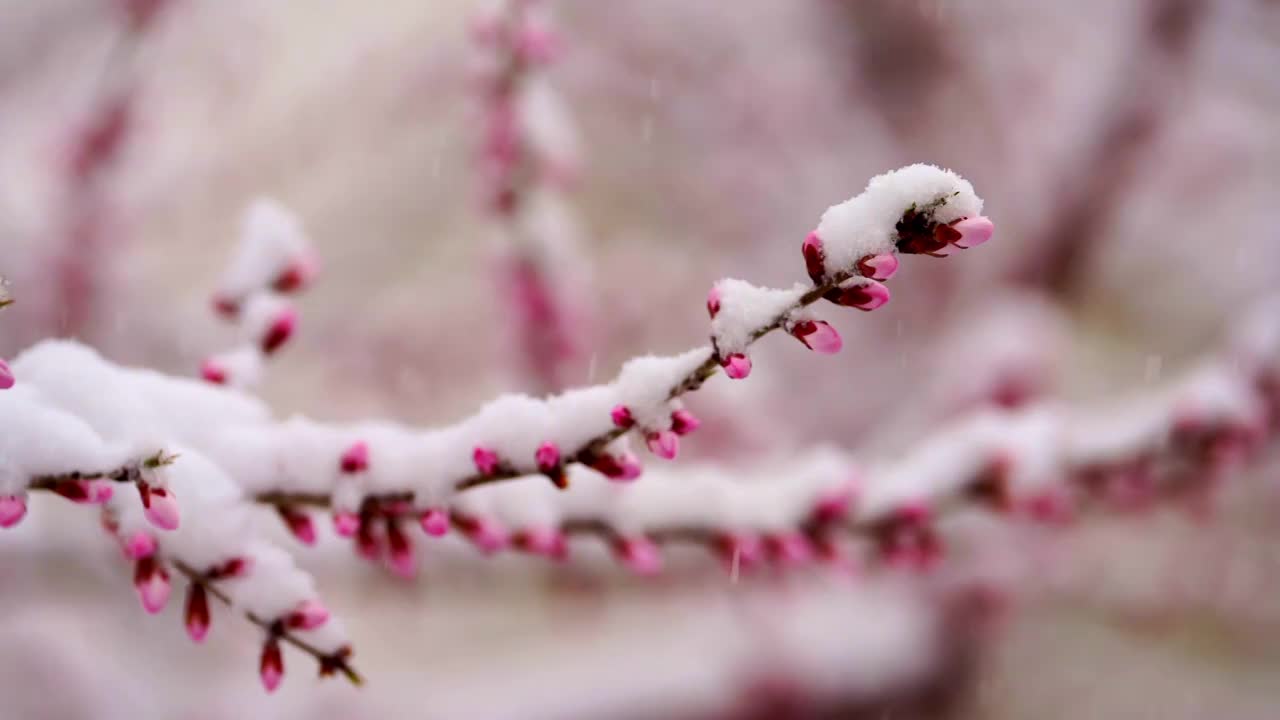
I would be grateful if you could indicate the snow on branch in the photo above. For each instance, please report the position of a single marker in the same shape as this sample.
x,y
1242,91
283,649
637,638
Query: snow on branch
x,y
1045,463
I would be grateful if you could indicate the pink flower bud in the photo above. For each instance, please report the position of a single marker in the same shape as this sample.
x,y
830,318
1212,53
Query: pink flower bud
x,y
225,306
736,366
878,267
815,258
867,296
435,522
1051,507
160,507
214,372
356,458
486,460
400,557
544,541
789,548
485,534
818,336
196,616
621,468
101,491
713,301
309,615
833,504
621,416
639,554
297,274
547,456
684,422
368,542
6,375
973,231
908,539
663,443
12,509
139,545
233,568
299,523
280,330
271,666
346,523
152,583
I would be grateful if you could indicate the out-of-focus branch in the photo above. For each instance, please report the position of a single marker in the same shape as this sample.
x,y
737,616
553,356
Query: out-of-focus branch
x,y
1093,187
529,160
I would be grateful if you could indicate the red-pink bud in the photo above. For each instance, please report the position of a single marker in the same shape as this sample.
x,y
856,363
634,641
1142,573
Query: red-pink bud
x,y
299,523
196,616
713,301
271,666
545,541
789,548
736,366
139,545
235,567
368,542
815,258
435,522
547,456
878,267
152,583
620,468
356,458
100,491
308,615
833,503
85,491
486,460
346,523
214,372
973,231
621,416
297,274
159,506
12,509
663,443
6,375
1051,507
486,534
225,306
818,336
280,330
639,554
866,296
400,557
684,422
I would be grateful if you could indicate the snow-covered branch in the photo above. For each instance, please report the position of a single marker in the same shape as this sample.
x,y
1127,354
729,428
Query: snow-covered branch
x,y
73,430
274,258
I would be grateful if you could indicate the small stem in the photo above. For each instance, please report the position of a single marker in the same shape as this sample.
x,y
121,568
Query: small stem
x,y
335,661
